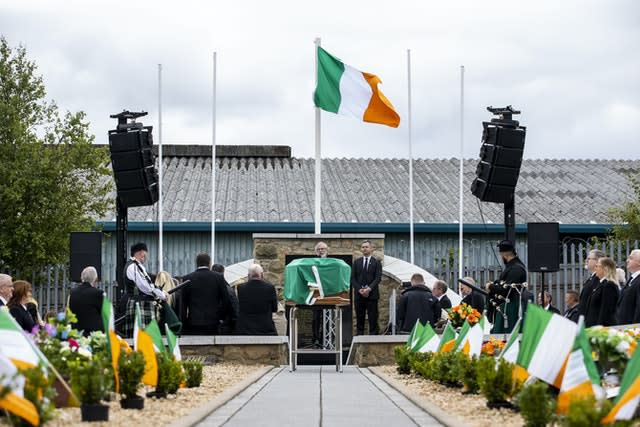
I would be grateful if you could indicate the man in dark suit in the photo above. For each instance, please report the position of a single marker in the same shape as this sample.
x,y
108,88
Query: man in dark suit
x,y
547,302
366,274
205,298
228,323
628,310
469,295
417,303
572,300
85,301
258,300
440,291
6,289
592,281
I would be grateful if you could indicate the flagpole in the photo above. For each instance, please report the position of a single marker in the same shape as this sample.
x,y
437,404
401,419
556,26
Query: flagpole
x,y
411,237
160,209
213,162
460,195
318,192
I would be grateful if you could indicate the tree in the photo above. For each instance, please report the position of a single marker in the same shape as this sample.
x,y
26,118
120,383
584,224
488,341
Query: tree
x,y
53,179
626,218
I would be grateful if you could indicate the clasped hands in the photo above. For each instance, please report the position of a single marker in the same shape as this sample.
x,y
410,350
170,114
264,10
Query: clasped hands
x,y
364,292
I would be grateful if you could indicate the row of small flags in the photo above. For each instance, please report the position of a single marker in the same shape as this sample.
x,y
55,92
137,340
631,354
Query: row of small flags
x,y
19,351
545,337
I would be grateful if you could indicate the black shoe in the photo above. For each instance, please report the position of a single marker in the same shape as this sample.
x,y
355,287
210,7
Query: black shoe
x,y
316,344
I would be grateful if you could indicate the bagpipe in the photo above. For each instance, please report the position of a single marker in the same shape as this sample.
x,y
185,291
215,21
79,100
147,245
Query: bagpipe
x,y
500,294
164,311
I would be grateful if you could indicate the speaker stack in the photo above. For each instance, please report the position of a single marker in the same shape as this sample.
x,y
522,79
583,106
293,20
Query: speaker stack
x,y
543,243
500,161
133,164
85,251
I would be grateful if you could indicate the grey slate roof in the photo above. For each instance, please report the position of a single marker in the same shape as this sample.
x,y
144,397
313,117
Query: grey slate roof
x,y
281,189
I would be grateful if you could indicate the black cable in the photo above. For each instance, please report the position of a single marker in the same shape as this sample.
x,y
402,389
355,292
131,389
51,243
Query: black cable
x,y
493,249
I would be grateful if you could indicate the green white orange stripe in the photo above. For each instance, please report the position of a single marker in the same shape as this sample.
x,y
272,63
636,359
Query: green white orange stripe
x,y
629,395
16,345
547,340
581,379
113,343
172,341
510,353
414,335
473,344
143,343
342,89
448,339
13,401
429,341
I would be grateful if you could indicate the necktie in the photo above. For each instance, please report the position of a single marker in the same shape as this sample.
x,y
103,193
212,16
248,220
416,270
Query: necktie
x,y
366,263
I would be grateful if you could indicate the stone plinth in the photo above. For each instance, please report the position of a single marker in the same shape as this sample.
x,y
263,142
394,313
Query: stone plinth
x,y
374,350
246,350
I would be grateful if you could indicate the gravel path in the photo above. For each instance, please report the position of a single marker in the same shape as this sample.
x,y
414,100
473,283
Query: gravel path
x,y
470,409
159,412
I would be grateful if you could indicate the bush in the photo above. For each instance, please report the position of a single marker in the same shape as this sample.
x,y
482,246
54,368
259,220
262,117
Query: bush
x,y
170,374
193,372
38,389
131,368
90,380
536,404
468,371
421,364
495,382
403,356
445,367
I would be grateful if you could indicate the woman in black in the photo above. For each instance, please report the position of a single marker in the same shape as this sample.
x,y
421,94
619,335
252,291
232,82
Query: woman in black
x,y
602,304
18,305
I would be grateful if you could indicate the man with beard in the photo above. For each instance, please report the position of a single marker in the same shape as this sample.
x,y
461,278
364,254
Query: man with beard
x,y
507,297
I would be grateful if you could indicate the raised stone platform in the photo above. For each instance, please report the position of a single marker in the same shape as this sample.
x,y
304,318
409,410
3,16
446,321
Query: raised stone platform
x,y
243,349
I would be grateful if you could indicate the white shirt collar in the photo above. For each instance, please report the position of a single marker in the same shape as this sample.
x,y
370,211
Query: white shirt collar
x,y
3,300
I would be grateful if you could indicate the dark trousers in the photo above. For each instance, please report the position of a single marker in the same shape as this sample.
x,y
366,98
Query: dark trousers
x,y
364,306
202,330
316,324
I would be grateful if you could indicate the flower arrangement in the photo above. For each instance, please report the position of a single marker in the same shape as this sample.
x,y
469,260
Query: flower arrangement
x,y
612,347
493,347
462,312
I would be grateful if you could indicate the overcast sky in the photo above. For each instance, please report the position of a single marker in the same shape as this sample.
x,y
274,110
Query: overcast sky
x,y
572,68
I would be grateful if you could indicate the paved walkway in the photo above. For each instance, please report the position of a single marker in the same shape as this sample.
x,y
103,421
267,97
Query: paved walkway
x,y
319,396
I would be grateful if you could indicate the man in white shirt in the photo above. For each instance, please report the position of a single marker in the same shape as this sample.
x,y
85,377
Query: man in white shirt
x,y
139,288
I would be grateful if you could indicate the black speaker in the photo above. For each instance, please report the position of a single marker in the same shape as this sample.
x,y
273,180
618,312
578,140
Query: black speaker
x,y
500,160
133,164
85,251
543,242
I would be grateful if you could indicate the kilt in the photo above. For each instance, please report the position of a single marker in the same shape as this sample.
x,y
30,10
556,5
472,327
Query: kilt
x,y
147,312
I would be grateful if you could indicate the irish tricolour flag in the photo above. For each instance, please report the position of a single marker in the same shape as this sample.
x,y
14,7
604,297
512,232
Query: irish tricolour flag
x,y
629,394
344,90
547,339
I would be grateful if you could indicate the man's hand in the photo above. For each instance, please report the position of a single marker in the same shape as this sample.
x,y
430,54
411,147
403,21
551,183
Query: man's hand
x,y
487,286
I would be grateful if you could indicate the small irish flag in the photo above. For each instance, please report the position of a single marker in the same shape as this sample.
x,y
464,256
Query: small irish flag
x,y
344,90
629,394
510,353
113,342
13,400
581,379
448,339
547,339
142,342
429,340
414,336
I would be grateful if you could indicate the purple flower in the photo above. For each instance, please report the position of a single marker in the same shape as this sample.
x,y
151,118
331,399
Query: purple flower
x,y
35,329
51,330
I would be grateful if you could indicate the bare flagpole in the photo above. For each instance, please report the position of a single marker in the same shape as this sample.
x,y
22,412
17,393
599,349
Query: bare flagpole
x,y
160,209
411,237
461,197
213,162
317,183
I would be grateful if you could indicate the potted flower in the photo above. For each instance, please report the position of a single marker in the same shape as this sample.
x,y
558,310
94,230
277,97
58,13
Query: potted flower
x,y
88,381
130,371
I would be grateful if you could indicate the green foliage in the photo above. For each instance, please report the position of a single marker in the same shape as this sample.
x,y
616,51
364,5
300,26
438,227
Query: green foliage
x,y
626,218
468,371
536,404
495,379
588,412
170,374
90,380
421,364
130,372
54,180
193,372
402,356
445,367
39,390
